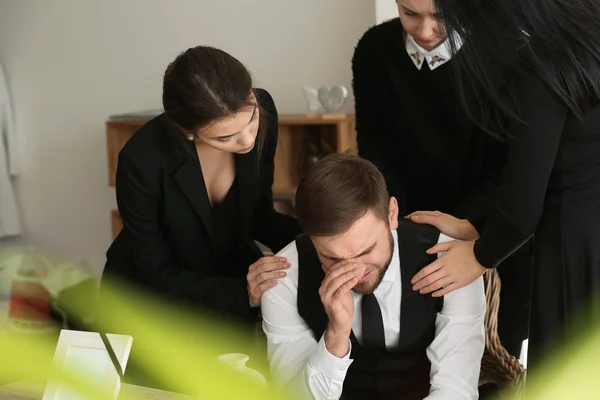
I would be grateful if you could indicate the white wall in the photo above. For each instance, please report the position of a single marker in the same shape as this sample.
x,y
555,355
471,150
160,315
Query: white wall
x,y
384,10
71,63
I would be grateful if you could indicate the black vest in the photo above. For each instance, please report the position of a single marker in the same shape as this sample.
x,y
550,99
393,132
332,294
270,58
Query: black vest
x,y
402,372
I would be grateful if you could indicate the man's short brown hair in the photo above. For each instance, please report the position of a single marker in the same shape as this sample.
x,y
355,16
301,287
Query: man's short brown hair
x,y
338,191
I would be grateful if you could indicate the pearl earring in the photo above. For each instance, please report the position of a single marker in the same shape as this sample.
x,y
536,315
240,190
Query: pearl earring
x,y
190,137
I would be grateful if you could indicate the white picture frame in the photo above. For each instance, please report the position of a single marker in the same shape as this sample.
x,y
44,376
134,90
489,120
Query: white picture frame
x,y
85,351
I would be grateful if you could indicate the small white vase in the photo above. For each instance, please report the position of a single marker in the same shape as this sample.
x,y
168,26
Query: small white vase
x,y
238,361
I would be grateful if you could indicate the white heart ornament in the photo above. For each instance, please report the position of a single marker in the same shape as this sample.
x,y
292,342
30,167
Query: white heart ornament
x,y
333,98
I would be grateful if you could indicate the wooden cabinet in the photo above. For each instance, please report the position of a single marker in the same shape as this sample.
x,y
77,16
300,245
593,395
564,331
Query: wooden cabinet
x,y
299,136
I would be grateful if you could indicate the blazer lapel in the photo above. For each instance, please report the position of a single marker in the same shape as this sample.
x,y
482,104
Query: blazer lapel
x,y
191,181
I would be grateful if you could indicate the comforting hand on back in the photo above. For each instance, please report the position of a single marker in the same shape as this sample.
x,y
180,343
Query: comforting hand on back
x,y
456,268
447,224
263,275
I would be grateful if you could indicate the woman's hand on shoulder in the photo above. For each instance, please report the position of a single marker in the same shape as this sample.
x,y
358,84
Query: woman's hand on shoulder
x,y
263,275
456,267
447,224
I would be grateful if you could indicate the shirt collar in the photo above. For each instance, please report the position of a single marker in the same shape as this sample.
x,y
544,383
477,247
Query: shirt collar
x,y
393,269
436,57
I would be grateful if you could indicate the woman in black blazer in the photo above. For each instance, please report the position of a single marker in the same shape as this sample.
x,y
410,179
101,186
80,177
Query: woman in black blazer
x,y
194,192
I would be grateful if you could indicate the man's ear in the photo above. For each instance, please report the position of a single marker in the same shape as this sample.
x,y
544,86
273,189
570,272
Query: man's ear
x,y
394,212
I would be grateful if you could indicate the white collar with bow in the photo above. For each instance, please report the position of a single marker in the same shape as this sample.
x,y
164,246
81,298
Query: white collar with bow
x,y
434,58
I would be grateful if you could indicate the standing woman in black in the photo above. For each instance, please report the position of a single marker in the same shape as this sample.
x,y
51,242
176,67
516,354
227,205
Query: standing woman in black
x,y
411,124
549,55
194,192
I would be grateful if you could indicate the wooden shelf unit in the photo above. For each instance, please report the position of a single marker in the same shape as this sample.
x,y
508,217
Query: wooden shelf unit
x,y
295,130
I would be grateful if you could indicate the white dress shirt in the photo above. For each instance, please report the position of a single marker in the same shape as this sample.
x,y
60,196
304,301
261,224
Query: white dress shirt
x,y
304,365
434,58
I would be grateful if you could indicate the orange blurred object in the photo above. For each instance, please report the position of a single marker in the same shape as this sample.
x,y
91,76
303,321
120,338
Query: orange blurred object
x,y
30,301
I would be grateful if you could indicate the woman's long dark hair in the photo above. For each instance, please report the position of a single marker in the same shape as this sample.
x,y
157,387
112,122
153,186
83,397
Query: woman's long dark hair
x,y
558,40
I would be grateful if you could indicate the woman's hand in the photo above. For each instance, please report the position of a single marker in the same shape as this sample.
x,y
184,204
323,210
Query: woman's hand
x,y
456,268
447,224
263,275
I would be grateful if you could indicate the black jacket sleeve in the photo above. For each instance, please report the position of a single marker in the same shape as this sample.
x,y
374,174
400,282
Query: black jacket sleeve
x,y
269,227
476,203
518,209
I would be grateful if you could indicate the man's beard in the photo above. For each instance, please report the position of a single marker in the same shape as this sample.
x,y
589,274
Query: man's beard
x,y
372,284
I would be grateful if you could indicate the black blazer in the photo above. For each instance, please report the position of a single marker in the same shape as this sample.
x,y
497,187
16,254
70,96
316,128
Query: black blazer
x,y
410,124
167,244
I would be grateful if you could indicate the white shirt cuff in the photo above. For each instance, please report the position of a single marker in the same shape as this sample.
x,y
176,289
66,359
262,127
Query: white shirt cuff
x,y
445,238
329,365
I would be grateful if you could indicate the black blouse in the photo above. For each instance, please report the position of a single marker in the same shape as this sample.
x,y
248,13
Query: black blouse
x,y
227,239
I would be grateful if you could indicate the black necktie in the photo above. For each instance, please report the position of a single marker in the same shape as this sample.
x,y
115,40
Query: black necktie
x,y
372,323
